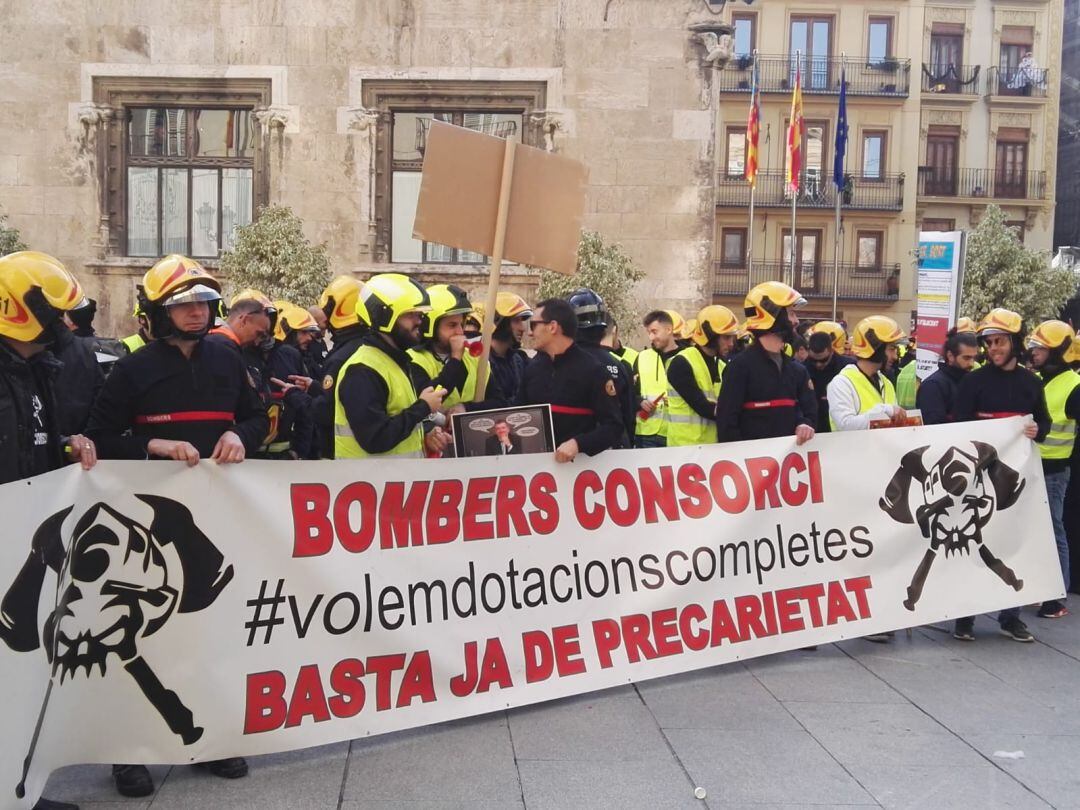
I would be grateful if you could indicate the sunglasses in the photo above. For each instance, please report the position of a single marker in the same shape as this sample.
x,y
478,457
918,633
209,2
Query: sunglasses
x,y
537,322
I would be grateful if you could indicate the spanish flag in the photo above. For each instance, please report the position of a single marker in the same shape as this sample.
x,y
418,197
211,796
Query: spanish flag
x,y
795,134
753,130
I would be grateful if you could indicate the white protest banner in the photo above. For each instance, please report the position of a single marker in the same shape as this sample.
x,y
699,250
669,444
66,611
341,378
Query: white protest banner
x,y
193,614
938,297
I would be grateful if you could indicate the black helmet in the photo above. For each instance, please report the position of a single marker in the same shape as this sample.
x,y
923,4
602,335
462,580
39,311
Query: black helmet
x,y
589,308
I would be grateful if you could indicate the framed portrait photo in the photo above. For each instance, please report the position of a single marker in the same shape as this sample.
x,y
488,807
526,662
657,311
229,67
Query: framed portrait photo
x,y
504,432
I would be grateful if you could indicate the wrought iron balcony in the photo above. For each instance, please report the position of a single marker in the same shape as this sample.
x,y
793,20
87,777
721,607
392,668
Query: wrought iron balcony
x,y
961,80
854,283
939,181
885,193
1017,81
820,75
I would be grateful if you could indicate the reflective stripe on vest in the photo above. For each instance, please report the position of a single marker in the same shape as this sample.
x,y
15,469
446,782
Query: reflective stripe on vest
x,y
133,342
907,386
185,416
869,397
402,395
433,367
1058,444
685,426
652,380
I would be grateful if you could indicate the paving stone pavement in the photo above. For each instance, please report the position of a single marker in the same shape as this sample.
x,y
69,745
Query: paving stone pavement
x,y
912,724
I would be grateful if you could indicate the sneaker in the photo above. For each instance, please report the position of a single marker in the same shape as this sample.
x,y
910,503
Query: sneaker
x,y
1053,609
1016,630
880,638
132,781
964,630
231,768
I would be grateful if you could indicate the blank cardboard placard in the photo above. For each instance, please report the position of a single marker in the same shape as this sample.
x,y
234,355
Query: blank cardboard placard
x,y
459,199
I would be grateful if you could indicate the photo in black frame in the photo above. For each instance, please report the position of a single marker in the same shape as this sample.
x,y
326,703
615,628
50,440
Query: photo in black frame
x,y
504,431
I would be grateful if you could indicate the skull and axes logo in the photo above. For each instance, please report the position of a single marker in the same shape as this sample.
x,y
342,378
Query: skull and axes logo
x,y
959,494
117,582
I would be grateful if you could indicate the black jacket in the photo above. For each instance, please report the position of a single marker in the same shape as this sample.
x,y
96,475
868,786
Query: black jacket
x,y
936,396
584,404
989,393
346,342
78,383
821,377
296,419
623,377
508,370
754,393
157,393
20,381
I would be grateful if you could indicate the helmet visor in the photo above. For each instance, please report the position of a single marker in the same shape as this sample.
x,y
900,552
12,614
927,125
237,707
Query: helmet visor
x,y
192,295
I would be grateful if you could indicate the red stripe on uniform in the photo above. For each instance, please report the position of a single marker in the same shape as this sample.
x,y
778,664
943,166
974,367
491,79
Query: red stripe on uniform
x,y
185,416
997,414
567,409
769,403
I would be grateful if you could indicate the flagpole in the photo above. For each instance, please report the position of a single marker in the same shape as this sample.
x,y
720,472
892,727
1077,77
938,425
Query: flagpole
x,y
794,179
841,122
753,185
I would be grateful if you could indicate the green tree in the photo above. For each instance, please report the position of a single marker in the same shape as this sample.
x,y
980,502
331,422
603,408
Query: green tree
x,y
604,268
272,255
10,241
1001,272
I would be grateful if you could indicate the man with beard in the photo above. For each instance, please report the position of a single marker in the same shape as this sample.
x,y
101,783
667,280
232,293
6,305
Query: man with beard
x,y
650,377
1000,389
861,393
936,396
765,393
694,376
376,409
339,306
1048,346
507,360
35,289
826,343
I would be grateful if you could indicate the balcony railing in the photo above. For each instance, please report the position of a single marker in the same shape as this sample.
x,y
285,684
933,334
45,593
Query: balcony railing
x,y
877,283
816,191
935,181
1017,82
960,80
820,75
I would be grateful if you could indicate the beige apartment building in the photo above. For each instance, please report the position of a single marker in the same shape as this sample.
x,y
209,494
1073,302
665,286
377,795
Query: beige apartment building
x,y
134,128
947,113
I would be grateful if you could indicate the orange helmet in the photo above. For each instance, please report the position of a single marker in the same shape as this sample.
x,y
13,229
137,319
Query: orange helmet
x,y
835,332
1001,321
1052,335
766,301
873,333
34,289
712,322
338,301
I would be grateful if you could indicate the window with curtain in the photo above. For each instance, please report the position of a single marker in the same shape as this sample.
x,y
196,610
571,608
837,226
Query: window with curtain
x,y
189,178
736,152
868,249
733,247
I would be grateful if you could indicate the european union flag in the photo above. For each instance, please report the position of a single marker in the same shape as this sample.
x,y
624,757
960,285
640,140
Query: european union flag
x,y
841,136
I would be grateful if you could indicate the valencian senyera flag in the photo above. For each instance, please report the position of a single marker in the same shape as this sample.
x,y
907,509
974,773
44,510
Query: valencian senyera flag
x,y
795,133
753,130
841,135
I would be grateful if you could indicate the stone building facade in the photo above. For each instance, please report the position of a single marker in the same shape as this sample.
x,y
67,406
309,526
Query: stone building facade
x,y
132,128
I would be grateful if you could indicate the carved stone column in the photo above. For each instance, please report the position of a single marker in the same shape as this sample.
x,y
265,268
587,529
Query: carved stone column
x,y
272,122
95,120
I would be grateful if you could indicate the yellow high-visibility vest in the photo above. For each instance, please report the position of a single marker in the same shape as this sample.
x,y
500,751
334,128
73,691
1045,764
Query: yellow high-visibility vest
x,y
402,396
869,397
433,366
652,380
684,426
1059,442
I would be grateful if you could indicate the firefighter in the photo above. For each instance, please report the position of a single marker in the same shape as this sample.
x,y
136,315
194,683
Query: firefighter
x,y
694,376
825,343
290,383
612,340
35,291
135,342
507,359
442,360
339,305
650,377
376,408
861,393
592,319
936,396
1002,388
584,404
180,397
1050,347
765,393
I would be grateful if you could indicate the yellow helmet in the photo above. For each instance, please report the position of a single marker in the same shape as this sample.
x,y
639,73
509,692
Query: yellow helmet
x,y
34,289
766,301
966,325
835,331
1001,322
713,321
689,328
339,300
677,322
292,318
177,279
1073,355
507,305
446,299
388,296
1052,335
474,321
872,333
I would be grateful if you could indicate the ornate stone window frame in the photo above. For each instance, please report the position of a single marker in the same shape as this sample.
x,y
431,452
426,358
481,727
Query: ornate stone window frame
x,y
107,116
382,97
